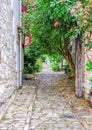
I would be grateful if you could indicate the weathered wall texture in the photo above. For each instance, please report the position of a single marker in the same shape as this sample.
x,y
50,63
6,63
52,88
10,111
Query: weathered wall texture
x,y
87,55
8,74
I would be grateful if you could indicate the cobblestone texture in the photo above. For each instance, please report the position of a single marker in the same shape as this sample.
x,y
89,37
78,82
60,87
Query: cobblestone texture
x,y
47,103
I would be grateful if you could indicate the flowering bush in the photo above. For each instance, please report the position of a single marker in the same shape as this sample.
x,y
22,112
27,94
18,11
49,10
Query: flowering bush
x,y
54,23
83,13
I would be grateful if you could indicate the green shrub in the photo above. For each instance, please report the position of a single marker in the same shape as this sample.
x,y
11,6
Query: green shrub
x,y
89,66
43,57
55,66
55,58
31,54
38,65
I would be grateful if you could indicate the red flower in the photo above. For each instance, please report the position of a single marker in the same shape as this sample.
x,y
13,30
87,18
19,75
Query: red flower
x,y
24,9
72,11
79,4
56,23
33,6
86,10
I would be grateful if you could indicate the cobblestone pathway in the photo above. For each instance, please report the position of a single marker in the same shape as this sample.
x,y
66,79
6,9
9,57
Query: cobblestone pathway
x,y
48,103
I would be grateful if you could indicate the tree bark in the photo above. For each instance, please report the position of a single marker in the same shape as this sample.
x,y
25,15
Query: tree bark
x,y
68,55
78,67
69,59
64,50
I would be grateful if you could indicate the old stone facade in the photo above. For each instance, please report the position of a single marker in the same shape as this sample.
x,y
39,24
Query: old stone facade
x,y
87,56
9,49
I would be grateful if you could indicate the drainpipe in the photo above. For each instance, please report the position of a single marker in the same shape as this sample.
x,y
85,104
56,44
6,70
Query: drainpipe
x,y
20,51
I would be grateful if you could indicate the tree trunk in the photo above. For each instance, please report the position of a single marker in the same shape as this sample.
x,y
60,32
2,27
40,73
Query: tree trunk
x,y
69,59
64,50
78,67
68,55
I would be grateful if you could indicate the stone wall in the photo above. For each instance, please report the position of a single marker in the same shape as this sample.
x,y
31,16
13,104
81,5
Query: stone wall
x,y
87,55
8,74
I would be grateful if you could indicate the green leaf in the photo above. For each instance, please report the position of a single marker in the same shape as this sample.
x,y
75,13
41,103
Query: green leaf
x,y
90,79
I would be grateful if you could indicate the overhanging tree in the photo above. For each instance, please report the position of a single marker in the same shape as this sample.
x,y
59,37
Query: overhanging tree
x,y
53,23
50,24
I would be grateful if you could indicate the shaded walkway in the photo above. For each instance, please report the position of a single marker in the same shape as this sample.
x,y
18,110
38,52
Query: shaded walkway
x,y
47,103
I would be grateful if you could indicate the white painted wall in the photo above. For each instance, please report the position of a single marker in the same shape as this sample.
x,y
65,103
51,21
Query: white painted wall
x,y
15,5
16,8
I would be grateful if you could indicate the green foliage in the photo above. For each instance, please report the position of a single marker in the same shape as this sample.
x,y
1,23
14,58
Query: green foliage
x,y
56,58
55,66
41,21
47,12
90,79
89,66
5,118
38,65
31,54
43,57
50,37
91,89
89,45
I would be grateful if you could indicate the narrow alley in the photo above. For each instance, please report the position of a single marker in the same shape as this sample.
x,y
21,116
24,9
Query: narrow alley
x,y
47,103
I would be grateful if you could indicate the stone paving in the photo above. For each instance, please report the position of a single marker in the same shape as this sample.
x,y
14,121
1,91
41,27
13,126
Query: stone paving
x,y
47,103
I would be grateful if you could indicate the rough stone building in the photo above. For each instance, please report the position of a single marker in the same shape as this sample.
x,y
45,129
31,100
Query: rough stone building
x,y
10,50
87,56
